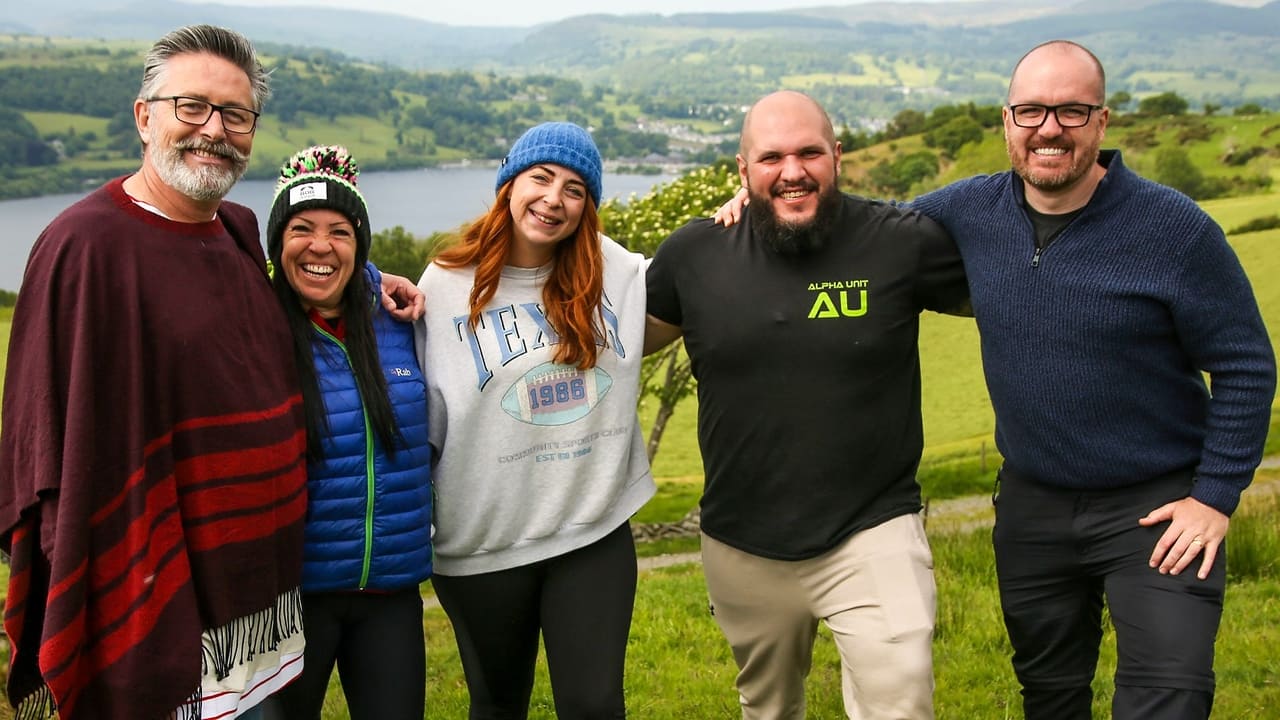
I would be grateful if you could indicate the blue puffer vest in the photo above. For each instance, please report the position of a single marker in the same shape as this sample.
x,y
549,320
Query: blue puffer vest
x,y
369,512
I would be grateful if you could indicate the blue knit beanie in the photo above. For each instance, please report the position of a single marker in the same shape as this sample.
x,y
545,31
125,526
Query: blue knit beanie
x,y
559,143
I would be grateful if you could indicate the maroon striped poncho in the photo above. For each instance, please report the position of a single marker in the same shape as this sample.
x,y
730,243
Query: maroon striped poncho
x,y
152,466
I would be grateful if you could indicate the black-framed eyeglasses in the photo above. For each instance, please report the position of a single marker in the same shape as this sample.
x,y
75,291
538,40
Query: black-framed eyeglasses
x,y
194,111
1070,115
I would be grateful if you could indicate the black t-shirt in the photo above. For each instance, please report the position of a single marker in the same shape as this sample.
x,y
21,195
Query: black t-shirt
x,y
1048,227
808,371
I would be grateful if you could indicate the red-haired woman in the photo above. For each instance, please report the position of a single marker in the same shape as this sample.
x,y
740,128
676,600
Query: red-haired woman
x,y
533,336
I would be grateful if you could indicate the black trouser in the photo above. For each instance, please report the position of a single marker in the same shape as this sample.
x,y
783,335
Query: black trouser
x,y
1058,553
377,641
581,602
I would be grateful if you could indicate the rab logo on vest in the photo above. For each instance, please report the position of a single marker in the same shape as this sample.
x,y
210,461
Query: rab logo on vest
x,y
841,298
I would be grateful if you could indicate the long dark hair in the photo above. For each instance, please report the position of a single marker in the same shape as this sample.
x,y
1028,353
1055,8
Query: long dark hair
x,y
362,348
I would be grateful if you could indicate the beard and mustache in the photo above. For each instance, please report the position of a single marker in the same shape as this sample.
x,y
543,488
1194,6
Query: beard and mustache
x,y
204,183
1020,158
789,237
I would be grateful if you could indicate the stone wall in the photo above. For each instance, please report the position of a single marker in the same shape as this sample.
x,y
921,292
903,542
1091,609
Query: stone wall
x,y
688,526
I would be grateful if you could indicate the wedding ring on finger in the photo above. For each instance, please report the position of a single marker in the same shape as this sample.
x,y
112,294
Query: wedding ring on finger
x,y
1197,541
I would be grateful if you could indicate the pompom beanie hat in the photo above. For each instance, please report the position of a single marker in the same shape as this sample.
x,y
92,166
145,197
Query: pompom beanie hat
x,y
323,176
558,143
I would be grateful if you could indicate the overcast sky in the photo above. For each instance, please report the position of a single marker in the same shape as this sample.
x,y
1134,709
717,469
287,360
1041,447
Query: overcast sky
x,y
532,12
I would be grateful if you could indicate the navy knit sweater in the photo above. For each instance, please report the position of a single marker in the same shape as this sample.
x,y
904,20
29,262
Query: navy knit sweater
x,y
1094,351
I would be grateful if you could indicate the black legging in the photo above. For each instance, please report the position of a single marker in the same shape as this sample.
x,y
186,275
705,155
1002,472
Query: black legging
x,y
376,639
581,602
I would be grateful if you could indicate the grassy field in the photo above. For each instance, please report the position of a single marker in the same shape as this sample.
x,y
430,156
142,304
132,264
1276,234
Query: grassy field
x,y
1141,143
679,666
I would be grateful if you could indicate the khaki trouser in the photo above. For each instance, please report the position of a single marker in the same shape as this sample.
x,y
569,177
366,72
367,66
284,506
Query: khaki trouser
x,y
875,591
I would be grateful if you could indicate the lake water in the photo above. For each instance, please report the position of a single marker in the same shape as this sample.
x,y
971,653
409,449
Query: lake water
x,y
422,201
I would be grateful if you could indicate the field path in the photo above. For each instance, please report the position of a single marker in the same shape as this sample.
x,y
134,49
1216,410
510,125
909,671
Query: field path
x,y
954,515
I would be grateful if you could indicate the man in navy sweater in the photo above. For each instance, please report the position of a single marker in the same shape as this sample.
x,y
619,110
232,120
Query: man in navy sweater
x,y
1103,301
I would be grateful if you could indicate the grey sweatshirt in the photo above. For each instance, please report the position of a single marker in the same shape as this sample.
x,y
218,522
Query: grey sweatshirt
x,y
535,459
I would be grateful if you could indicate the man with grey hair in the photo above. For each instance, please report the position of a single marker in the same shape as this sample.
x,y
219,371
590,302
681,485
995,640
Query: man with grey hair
x,y
153,456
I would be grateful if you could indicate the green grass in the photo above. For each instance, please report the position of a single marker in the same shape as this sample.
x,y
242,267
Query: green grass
x,y
1260,254
1203,83
668,546
959,469
971,651
48,123
678,455
673,500
1236,211
954,399
1226,133
679,666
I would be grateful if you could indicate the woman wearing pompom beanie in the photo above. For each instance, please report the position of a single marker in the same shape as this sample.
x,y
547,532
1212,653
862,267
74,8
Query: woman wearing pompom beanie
x,y
532,342
368,526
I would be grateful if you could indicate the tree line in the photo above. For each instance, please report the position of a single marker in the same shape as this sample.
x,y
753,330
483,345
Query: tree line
x,y
432,115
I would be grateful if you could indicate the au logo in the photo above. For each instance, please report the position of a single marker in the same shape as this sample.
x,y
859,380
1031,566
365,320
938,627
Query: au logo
x,y
826,305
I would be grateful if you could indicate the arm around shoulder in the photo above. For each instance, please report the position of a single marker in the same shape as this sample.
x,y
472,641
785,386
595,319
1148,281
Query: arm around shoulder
x,y
659,334
401,298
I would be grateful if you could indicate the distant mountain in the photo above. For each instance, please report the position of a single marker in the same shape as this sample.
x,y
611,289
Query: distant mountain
x,y
963,13
1180,18
862,59
380,37
918,53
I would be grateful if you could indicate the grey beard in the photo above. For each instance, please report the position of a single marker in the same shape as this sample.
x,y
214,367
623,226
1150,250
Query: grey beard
x,y
791,239
204,184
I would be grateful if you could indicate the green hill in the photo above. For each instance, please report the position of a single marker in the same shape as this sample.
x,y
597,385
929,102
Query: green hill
x,y
66,113
652,89
865,59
